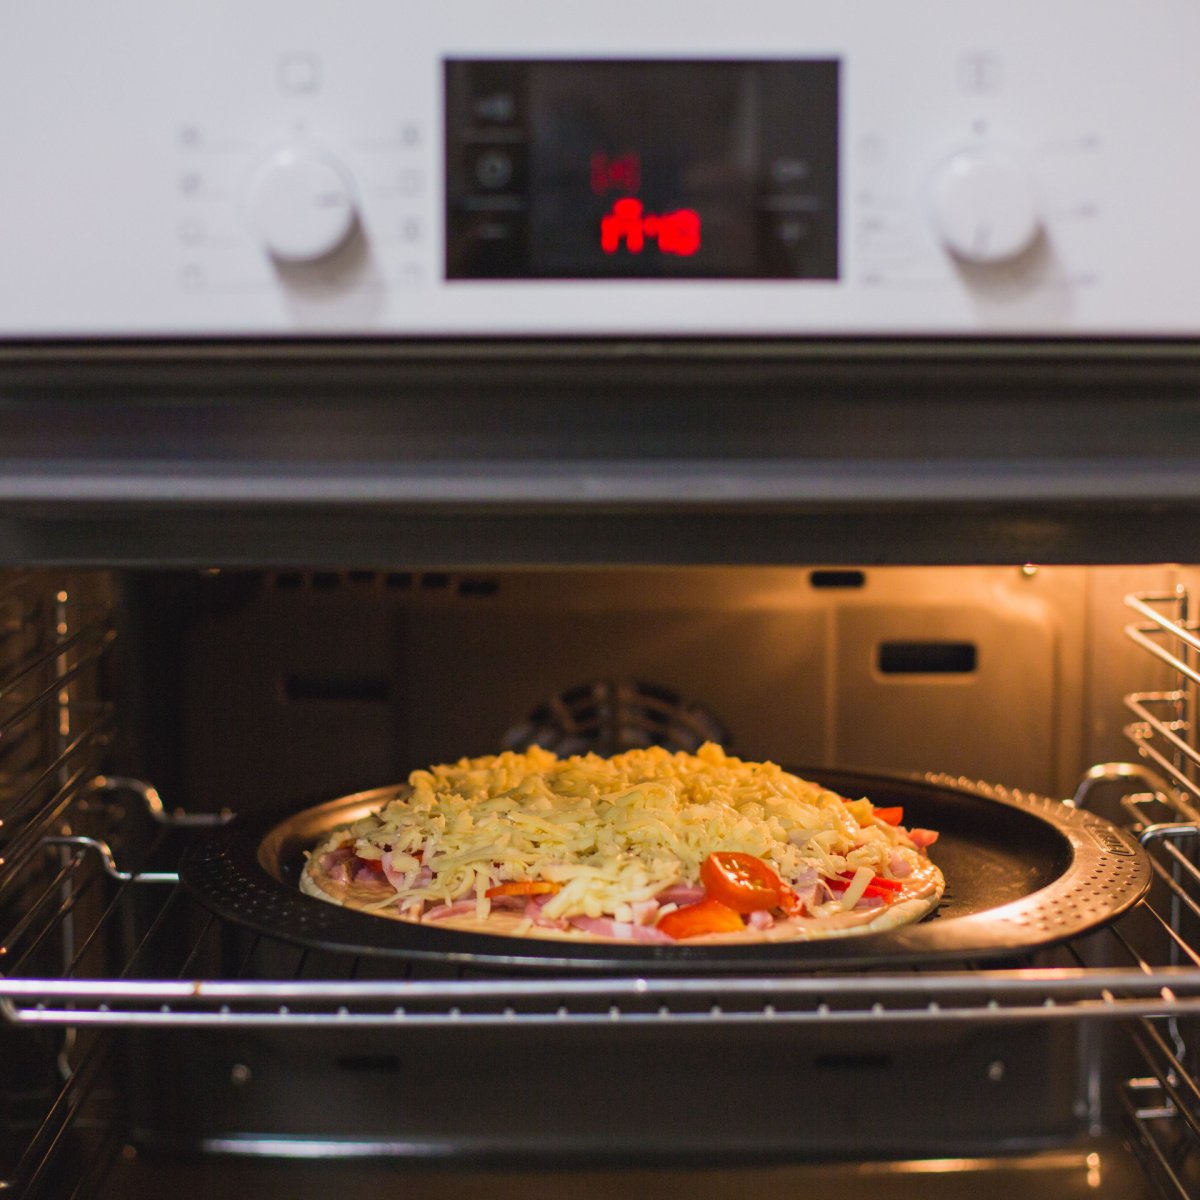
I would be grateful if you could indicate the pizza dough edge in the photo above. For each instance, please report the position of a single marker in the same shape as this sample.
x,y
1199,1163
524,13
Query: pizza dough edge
x,y
903,912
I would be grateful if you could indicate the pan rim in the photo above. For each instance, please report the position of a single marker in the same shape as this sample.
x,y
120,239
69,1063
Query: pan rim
x,y
229,872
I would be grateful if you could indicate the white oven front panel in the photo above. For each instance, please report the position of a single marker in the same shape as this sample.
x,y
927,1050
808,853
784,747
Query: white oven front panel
x,y
466,168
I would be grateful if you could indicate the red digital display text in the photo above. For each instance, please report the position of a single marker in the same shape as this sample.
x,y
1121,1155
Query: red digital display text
x,y
629,225
621,173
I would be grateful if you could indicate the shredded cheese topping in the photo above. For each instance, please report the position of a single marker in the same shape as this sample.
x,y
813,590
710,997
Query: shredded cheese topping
x,y
613,832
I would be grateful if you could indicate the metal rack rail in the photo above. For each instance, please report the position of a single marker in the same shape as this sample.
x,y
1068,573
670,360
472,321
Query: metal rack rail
x,y
1162,1106
55,730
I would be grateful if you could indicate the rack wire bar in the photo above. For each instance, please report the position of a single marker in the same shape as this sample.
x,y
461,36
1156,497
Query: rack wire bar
x,y
1173,640
1141,735
1040,994
1150,726
70,894
30,838
42,1147
91,734
1166,1130
152,801
1179,1086
1165,927
1143,1119
96,637
1159,622
108,861
934,1013
54,731
1055,982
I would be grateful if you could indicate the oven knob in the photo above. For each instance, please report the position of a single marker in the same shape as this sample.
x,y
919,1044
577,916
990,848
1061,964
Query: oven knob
x,y
302,205
984,206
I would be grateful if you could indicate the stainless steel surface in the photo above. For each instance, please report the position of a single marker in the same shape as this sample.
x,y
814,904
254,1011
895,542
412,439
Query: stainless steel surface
x,y
787,659
616,453
1056,995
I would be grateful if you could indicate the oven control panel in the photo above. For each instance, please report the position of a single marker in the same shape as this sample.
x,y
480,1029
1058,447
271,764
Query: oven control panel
x,y
770,168
665,169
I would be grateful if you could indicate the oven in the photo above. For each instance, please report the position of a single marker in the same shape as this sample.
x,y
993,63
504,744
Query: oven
x,y
379,387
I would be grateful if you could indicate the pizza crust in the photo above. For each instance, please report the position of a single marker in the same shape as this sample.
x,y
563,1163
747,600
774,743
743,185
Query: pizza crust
x,y
923,892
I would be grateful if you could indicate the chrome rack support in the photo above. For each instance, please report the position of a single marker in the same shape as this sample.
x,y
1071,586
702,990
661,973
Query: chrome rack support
x,y
149,797
101,848
1103,774
1165,716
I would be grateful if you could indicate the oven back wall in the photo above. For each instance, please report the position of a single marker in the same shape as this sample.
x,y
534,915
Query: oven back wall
x,y
306,685
655,1094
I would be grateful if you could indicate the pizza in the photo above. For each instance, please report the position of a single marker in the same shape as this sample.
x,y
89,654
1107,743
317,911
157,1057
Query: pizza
x,y
646,846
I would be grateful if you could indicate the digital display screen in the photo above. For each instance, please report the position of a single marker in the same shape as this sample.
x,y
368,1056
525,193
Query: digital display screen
x,y
641,169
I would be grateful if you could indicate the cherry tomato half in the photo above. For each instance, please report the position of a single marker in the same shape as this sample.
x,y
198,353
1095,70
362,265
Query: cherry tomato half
x,y
742,881
708,916
527,887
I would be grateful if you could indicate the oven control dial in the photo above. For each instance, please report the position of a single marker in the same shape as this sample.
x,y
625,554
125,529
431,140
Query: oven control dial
x,y
302,205
984,206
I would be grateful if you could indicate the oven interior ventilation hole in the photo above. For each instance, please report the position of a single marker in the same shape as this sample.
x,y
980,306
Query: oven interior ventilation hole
x,y
608,716
428,582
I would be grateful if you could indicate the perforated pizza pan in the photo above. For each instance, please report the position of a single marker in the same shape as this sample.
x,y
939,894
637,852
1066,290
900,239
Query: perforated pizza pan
x,y
1022,872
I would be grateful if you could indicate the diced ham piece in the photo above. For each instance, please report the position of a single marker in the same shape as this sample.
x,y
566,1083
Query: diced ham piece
x,y
336,864
624,930
899,867
458,909
760,919
681,894
461,908
366,870
809,898
533,910
335,858
922,838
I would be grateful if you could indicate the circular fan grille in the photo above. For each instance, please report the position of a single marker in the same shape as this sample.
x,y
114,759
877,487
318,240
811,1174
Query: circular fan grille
x,y
608,716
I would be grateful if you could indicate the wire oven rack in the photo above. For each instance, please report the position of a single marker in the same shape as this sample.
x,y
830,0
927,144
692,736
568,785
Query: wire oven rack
x,y
100,942
1162,1105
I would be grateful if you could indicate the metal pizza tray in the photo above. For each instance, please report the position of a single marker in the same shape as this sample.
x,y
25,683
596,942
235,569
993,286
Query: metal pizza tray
x,y
1022,872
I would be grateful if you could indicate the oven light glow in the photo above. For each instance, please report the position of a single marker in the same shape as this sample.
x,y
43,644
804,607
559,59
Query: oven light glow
x,y
675,232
